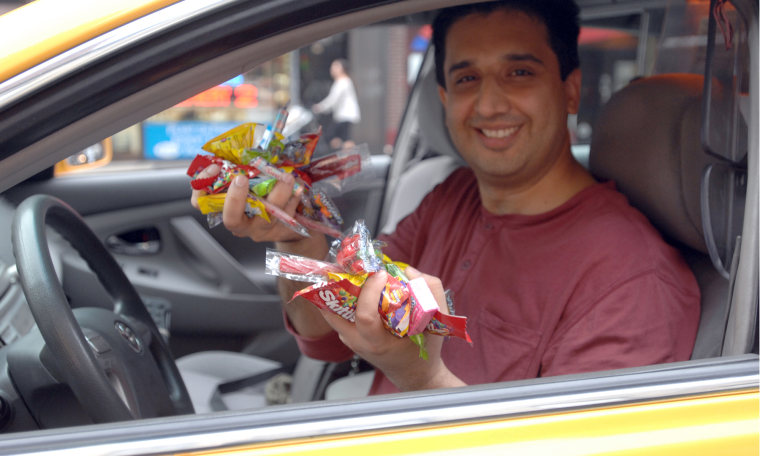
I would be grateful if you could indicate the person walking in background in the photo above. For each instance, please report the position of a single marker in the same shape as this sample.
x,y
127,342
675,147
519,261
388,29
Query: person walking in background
x,y
342,102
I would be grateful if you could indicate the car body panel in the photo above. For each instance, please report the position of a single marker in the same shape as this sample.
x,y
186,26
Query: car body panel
x,y
58,28
694,397
722,424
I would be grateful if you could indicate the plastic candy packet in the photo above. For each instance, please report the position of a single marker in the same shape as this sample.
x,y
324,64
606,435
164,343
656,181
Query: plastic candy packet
x,y
265,156
406,307
356,253
298,268
341,171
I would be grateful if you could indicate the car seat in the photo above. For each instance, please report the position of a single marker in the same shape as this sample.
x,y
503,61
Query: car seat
x,y
647,140
435,155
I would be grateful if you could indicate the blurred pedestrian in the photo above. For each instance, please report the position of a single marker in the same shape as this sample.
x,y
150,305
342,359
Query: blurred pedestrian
x,y
343,104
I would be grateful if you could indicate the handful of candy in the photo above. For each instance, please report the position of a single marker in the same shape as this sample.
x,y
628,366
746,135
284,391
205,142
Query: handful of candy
x,y
406,307
264,156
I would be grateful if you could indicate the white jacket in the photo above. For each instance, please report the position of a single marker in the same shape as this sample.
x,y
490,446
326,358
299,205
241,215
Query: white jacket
x,y
341,101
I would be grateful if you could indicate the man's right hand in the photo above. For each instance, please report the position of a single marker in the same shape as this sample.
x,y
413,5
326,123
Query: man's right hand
x,y
304,316
256,228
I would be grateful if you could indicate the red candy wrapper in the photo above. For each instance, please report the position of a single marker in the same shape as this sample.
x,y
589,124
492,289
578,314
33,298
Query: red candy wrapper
x,y
337,296
357,255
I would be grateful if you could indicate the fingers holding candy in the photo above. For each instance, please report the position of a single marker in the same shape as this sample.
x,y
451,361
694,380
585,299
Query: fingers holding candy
x,y
367,336
366,307
397,357
382,310
234,217
239,222
284,183
207,173
433,283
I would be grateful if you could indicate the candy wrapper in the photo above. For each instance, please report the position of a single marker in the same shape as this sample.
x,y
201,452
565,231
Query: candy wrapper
x,y
265,156
298,268
406,307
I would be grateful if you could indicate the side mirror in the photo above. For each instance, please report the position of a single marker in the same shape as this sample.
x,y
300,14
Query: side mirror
x,y
95,156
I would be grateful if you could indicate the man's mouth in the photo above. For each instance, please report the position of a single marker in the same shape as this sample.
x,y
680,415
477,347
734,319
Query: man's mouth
x,y
498,133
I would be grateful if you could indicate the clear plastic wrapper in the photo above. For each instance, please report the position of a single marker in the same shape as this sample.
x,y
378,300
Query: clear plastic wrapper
x,y
298,268
341,171
356,252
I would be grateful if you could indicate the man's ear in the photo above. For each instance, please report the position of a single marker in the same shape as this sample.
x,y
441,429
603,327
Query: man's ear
x,y
442,94
573,90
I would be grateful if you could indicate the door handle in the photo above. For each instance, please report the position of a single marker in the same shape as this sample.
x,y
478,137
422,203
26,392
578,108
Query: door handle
x,y
142,241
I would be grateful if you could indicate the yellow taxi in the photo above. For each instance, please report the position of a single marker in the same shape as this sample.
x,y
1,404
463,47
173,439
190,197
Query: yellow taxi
x,y
129,326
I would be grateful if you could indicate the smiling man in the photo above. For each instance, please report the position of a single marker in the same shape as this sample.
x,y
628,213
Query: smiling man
x,y
556,272
506,110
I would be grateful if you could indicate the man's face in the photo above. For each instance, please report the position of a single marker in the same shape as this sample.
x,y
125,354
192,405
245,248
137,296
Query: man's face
x,y
506,105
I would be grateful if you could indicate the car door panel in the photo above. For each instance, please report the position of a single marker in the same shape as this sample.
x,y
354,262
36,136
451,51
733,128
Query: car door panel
x,y
214,283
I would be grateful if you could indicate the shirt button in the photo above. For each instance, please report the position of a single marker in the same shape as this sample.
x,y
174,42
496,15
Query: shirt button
x,y
488,226
466,264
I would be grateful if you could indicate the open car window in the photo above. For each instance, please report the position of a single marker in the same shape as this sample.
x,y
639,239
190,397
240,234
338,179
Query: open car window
x,y
384,57
162,127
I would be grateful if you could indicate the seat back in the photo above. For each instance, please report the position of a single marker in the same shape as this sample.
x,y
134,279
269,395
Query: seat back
x,y
437,155
648,141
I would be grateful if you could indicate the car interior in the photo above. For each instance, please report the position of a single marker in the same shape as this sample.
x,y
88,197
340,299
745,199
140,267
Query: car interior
x,y
661,136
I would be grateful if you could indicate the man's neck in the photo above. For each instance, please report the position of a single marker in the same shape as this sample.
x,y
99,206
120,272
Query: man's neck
x,y
563,181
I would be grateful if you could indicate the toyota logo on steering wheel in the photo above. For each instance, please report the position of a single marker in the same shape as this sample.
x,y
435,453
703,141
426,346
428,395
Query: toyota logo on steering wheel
x,y
129,335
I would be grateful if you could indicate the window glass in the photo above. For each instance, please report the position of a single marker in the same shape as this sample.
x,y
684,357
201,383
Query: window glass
x,y
683,38
727,79
608,51
382,61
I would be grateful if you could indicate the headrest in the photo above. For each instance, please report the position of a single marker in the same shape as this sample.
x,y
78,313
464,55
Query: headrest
x,y
647,140
432,120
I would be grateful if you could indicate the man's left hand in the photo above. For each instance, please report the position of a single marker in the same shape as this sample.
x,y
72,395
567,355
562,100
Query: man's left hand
x,y
398,358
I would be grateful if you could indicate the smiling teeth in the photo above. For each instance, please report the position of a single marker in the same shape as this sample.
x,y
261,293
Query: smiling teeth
x,y
503,133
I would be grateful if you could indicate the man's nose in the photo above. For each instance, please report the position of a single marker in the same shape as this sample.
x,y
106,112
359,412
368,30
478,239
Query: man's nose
x,y
493,98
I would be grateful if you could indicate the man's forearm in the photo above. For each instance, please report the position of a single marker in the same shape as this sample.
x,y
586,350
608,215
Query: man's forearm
x,y
303,315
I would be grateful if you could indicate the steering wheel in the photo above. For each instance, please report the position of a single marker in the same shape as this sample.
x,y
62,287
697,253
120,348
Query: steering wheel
x,y
115,362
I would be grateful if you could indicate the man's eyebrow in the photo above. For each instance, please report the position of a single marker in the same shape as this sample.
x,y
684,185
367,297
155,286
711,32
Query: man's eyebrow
x,y
523,57
508,57
459,65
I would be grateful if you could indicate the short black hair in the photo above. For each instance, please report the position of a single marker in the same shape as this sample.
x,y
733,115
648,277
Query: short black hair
x,y
561,18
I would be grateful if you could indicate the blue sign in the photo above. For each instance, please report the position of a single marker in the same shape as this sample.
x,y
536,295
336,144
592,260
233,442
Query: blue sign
x,y
179,140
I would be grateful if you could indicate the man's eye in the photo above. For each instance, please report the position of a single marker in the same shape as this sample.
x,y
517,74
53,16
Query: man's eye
x,y
464,79
521,72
